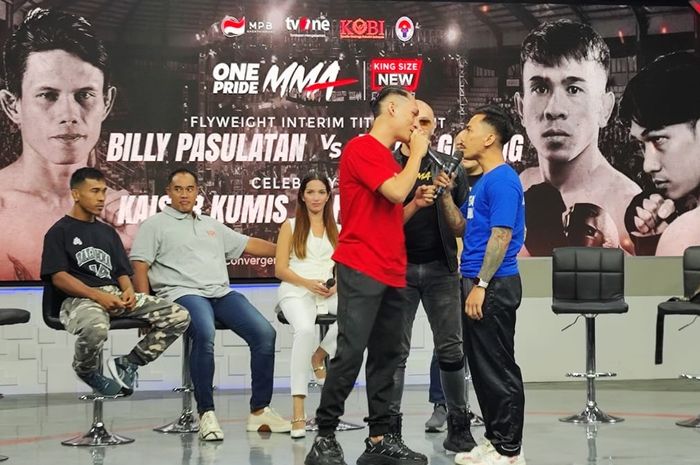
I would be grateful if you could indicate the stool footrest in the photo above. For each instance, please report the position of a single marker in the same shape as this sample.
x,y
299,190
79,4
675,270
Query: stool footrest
x,y
689,376
94,397
183,389
591,375
342,426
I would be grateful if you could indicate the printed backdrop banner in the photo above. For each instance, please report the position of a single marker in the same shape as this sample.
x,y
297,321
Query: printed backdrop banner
x,y
252,98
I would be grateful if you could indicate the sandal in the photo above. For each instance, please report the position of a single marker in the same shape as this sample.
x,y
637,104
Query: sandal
x,y
318,380
298,433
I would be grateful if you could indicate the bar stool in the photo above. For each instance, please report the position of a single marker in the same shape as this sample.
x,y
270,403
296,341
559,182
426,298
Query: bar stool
x,y
12,316
675,306
324,321
588,281
98,435
187,422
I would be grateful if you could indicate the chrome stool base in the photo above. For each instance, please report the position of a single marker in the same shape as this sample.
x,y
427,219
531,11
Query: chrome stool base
x,y
97,436
187,423
592,415
690,423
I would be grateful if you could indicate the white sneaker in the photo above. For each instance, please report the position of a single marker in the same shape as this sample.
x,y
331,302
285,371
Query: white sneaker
x,y
494,458
209,429
474,455
268,420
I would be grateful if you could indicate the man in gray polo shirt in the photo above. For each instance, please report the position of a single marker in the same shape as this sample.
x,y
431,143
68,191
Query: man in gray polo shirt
x,y
183,256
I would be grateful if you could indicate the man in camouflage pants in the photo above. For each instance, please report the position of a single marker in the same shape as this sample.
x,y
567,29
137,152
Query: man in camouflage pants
x,y
85,260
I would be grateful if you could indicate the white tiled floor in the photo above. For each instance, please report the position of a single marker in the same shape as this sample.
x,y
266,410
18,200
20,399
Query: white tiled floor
x,y
31,428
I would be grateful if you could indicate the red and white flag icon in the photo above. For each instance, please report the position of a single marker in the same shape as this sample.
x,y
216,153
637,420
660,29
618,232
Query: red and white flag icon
x,y
232,27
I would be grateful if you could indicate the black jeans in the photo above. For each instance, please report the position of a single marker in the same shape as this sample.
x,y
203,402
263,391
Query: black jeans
x,y
369,316
438,288
490,348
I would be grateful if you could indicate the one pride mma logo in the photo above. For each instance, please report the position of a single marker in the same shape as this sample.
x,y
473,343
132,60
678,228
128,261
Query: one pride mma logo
x,y
395,72
232,27
361,29
246,78
404,29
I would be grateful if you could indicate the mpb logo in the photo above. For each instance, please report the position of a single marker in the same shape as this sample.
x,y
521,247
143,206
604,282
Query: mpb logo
x,y
361,29
232,27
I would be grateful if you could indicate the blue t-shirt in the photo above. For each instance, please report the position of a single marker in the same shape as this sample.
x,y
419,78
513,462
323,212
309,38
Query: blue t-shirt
x,y
497,200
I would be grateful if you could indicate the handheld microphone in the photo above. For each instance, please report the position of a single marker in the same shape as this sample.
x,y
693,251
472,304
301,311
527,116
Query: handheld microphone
x,y
449,166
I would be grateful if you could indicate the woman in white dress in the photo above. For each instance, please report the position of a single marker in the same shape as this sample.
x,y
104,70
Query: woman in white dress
x,y
303,263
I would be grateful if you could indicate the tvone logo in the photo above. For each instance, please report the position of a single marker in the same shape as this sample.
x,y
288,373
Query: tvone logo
x,y
305,24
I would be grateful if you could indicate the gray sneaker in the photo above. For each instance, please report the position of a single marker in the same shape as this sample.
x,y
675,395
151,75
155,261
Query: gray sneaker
x,y
438,420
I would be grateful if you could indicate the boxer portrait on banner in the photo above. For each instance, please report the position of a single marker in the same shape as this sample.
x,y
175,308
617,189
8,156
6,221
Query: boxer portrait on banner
x,y
563,105
661,106
58,92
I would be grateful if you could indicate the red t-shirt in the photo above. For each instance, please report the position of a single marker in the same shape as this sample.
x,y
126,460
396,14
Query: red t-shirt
x,y
371,239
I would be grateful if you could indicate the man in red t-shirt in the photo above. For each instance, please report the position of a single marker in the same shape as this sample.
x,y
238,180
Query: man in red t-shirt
x,y
371,257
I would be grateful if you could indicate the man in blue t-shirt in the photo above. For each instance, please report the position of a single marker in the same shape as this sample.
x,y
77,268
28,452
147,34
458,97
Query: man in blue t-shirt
x,y
495,214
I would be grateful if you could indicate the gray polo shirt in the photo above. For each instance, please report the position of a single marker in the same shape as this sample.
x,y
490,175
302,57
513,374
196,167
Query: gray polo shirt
x,y
187,253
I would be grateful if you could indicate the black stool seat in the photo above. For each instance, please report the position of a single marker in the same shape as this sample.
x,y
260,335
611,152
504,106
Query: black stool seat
x,y
562,307
675,306
679,308
672,307
323,319
98,435
13,316
588,281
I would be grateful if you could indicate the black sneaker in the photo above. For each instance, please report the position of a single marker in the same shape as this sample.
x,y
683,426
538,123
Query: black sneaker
x,y
390,451
459,436
325,451
395,429
100,383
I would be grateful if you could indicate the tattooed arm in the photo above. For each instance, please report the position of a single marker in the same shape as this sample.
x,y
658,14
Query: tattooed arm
x,y
454,217
495,252
455,220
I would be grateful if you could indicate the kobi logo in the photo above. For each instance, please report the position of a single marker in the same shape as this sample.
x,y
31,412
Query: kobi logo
x,y
395,72
361,29
404,29
232,27
305,27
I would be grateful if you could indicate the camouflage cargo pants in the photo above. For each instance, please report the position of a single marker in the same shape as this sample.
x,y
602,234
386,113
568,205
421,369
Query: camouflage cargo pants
x,y
90,322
